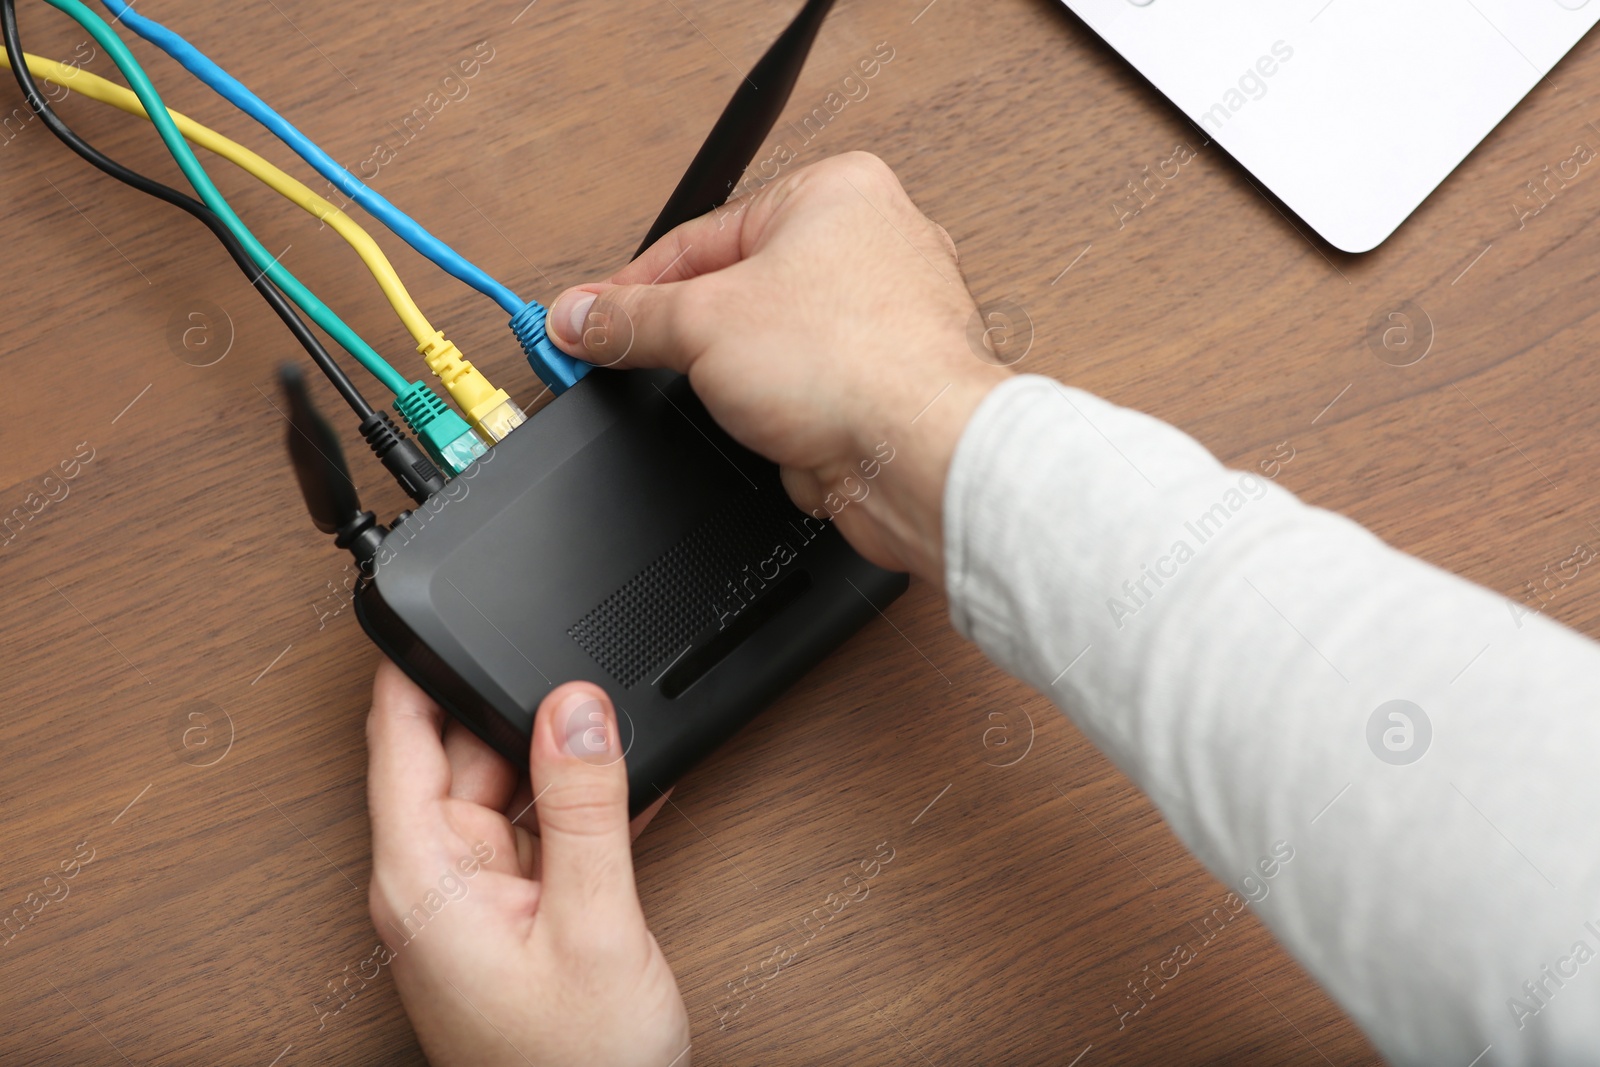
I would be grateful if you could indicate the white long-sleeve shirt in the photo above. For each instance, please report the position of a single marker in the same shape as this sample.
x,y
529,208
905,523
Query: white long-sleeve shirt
x,y
1236,653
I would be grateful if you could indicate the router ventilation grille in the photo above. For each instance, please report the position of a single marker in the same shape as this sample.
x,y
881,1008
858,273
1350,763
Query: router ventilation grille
x,y
659,611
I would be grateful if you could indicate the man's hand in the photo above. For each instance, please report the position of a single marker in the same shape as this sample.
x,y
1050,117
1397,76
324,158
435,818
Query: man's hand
x,y
825,324
508,948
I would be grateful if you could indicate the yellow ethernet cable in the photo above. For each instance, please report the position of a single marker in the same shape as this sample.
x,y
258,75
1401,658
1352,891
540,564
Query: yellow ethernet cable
x,y
489,410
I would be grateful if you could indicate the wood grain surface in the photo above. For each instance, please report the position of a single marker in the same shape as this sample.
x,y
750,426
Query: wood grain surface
x,y
1029,882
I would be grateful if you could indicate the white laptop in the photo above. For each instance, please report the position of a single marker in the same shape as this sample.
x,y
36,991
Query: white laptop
x,y
1350,111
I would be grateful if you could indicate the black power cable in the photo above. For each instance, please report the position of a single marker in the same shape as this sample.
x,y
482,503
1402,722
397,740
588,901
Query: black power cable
x,y
404,460
269,292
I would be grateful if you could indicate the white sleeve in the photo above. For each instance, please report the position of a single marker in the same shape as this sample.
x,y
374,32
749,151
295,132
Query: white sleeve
x,y
1236,653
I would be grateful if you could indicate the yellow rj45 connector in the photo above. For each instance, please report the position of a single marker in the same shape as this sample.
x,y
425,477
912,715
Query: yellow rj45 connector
x,y
489,410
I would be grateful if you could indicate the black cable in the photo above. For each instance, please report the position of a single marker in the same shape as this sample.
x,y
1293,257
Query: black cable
x,y
269,292
417,474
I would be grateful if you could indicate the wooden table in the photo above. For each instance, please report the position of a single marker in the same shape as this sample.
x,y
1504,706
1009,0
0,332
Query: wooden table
x,y
1029,882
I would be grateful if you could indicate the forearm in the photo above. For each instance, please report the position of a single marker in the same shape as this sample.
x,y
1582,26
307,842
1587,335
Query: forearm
x,y
902,511
1227,646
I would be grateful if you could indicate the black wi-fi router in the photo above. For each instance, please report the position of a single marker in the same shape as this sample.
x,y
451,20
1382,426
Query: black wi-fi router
x,y
618,537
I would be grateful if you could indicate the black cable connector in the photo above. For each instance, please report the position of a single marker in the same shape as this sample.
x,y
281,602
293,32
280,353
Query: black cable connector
x,y
410,466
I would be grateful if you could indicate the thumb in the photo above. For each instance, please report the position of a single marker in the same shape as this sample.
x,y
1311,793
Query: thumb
x,y
626,325
581,788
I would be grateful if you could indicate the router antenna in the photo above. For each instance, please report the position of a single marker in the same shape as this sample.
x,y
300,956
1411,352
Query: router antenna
x,y
324,478
743,126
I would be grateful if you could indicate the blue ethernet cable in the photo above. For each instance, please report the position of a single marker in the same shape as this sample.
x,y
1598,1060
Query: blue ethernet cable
x,y
450,441
557,369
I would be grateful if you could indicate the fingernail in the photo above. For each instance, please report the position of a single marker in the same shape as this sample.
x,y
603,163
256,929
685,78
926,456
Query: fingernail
x,y
572,322
587,729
